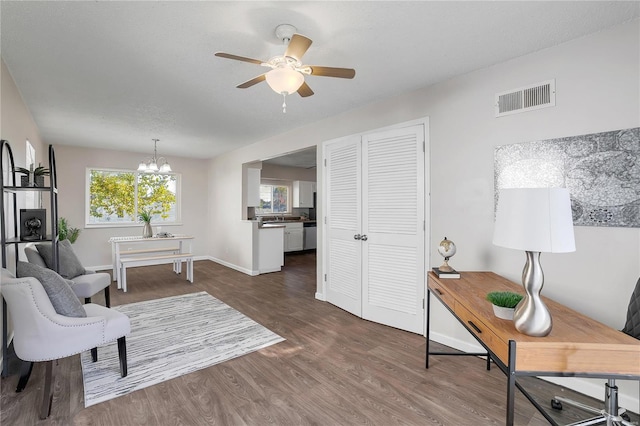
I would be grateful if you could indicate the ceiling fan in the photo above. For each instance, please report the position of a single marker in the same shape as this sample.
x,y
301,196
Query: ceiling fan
x,y
287,72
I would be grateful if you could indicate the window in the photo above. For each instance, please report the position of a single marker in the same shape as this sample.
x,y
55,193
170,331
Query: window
x,y
116,197
273,199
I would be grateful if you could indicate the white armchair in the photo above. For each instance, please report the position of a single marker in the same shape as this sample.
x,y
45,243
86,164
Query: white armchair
x,y
41,334
84,286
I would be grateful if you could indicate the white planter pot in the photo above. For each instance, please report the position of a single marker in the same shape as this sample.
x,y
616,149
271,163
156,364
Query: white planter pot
x,y
504,313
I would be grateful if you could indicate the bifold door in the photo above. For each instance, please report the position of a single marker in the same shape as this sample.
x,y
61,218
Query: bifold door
x,y
376,226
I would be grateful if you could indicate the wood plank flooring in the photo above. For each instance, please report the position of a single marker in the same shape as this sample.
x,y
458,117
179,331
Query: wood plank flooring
x,y
333,369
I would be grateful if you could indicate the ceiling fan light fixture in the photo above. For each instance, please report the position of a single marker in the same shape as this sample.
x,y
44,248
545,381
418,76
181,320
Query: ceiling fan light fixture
x,y
284,81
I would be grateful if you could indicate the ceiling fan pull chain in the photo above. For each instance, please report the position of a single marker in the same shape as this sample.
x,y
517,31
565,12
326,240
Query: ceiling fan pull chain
x,y
284,103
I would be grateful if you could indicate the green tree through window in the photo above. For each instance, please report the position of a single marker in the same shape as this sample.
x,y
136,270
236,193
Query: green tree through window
x,y
117,197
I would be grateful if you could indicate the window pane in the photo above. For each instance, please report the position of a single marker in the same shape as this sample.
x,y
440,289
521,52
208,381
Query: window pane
x,y
265,199
280,201
157,194
111,197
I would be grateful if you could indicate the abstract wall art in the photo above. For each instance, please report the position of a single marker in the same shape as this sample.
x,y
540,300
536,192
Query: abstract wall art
x,y
601,171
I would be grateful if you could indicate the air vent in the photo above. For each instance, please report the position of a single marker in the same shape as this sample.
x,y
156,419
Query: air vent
x,y
539,95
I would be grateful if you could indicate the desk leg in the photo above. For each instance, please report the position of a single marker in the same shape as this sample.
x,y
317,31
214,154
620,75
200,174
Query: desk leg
x,y
511,383
426,362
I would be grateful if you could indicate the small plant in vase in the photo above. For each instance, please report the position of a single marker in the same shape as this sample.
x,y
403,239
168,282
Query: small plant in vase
x,y
145,216
66,232
504,303
34,176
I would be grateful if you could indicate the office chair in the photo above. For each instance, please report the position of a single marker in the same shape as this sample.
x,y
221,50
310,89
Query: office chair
x,y
609,414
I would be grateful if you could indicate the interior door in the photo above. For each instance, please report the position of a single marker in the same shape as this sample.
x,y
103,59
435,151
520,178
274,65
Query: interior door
x,y
343,251
393,188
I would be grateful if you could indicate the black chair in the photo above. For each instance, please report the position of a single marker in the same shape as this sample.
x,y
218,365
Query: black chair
x,y
609,414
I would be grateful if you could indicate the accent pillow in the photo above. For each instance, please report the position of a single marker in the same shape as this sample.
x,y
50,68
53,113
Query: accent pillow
x,y
63,299
70,265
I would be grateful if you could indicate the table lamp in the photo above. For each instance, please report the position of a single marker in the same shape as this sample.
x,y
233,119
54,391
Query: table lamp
x,y
534,220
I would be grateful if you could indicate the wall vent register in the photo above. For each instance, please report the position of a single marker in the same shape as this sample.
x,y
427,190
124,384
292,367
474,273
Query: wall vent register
x,y
528,98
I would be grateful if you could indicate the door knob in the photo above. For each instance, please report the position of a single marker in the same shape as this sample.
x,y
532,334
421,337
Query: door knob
x,y
364,238
357,237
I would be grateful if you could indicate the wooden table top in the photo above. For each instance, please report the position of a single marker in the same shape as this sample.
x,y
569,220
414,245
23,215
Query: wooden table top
x,y
577,343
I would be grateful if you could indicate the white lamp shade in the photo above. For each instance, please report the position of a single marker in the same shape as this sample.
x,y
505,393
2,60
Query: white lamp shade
x,y
142,167
165,168
284,80
534,219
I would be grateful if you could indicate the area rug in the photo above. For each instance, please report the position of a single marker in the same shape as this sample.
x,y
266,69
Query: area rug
x,y
171,337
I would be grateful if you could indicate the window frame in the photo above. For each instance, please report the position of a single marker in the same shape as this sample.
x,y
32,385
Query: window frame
x,y
137,222
272,183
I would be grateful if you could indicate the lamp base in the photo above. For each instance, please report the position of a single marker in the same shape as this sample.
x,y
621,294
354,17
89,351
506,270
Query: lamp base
x,y
531,316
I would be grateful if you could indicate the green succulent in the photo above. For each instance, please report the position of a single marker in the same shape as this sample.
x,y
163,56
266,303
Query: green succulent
x,y
505,299
38,171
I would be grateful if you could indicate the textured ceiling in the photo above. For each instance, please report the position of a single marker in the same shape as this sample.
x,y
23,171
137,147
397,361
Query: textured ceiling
x,y
117,74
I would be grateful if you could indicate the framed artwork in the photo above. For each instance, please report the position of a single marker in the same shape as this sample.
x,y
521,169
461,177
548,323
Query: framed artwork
x,y
33,224
600,170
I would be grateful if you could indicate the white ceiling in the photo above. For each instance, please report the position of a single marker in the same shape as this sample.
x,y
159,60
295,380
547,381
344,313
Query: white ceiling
x,y
117,74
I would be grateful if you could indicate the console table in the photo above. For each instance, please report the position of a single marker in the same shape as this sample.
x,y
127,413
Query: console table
x,y
578,346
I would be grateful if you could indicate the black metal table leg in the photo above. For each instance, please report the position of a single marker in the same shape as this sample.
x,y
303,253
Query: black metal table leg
x,y
511,383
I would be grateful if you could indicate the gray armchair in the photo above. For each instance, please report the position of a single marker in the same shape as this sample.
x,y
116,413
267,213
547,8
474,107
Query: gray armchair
x,y
42,334
85,286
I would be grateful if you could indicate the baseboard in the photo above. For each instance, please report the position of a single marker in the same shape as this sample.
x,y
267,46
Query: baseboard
x,y
584,386
460,345
232,266
320,296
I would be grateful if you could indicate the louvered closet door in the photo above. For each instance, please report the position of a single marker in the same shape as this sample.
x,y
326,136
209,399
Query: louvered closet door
x,y
393,214
343,252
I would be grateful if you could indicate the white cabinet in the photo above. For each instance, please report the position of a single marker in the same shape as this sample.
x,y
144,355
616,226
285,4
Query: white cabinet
x,y
271,253
303,193
293,237
253,187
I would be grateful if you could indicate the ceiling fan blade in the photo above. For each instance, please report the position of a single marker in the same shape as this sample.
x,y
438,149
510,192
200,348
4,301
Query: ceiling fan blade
x,y
238,58
305,90
298,46
251,82
332,72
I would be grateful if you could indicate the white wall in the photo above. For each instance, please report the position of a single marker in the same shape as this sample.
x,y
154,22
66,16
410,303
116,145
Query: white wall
x,y
597,85
273,171
92,246
17,126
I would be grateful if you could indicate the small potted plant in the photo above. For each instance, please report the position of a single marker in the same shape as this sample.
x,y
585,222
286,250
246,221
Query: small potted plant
x,y
504,303
66,232
145,216
33,177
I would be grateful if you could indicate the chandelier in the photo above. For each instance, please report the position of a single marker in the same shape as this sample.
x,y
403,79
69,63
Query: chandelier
x,y
155,164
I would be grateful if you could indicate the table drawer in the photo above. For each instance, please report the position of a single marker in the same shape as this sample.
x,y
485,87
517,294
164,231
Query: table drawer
x,y
440,292
484,333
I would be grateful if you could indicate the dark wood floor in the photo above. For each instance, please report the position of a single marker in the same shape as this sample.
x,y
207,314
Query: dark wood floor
x,y
333,369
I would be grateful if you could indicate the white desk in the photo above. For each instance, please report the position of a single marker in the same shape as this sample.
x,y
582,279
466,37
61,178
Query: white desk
x,y
117,242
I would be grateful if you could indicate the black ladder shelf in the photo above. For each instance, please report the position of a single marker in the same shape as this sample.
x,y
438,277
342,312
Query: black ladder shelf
x,y
9,209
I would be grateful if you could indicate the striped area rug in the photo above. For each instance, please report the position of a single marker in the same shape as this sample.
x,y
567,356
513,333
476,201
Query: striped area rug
x,y
171,337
